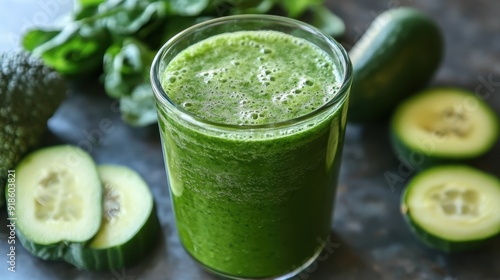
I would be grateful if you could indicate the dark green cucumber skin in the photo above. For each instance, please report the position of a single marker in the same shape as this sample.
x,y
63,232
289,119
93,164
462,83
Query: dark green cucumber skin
x,y
51,252
441,244
399,59
136,249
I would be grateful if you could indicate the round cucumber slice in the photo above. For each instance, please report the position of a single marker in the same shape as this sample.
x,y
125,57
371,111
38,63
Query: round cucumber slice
x,y
453,207
130,226
443,125
58,200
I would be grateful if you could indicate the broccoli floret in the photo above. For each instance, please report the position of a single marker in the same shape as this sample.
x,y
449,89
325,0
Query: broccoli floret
x,y
30,93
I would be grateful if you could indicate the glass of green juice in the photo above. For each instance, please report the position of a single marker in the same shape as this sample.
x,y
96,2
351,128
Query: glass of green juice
x,y
252,112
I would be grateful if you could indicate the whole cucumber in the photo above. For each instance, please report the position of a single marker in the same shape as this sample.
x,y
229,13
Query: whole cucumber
x,y
397,56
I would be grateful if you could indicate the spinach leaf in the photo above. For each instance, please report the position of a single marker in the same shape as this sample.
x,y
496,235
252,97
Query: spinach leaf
x,y
89,3
174,25
139,109
36,37
126,77
295,8
327,21
187,7
132,16
251,7
75,51
126,66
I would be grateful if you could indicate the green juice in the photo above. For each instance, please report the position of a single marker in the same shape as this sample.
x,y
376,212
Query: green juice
x,y
253,174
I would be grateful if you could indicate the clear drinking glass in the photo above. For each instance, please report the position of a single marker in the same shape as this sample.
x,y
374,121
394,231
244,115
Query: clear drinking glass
x,y
252,201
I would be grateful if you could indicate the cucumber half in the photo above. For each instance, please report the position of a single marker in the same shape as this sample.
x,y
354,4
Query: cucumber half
x,y
453,207
442,125
130,226
58,200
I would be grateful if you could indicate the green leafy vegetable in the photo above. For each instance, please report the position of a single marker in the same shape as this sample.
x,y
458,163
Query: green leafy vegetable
x,y
139,108
121,37
325,20
132,17
174,24
78,50
124,66
188,7
126,79
36,37
296,8
89,3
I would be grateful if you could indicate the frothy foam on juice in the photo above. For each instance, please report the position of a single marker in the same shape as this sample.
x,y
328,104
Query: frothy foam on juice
x,y
211,81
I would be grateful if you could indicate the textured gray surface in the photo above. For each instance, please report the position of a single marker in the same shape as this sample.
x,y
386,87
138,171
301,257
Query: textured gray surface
x,y
370,238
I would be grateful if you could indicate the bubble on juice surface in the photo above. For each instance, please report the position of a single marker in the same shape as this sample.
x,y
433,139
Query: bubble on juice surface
x,y
252,117
209,75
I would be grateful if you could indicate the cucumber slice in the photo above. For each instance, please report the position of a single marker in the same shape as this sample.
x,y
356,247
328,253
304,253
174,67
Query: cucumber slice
x,y
453,208
58,200
443,125
130,226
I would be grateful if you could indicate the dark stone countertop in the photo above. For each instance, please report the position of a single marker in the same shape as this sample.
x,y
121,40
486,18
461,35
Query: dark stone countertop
x,y
369,237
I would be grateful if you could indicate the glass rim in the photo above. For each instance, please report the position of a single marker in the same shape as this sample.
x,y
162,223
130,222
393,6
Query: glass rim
x,y
164,99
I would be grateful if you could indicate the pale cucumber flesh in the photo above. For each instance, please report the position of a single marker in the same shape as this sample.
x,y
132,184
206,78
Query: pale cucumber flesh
x,y
58,194
127,205
130,227
447,123
454,203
